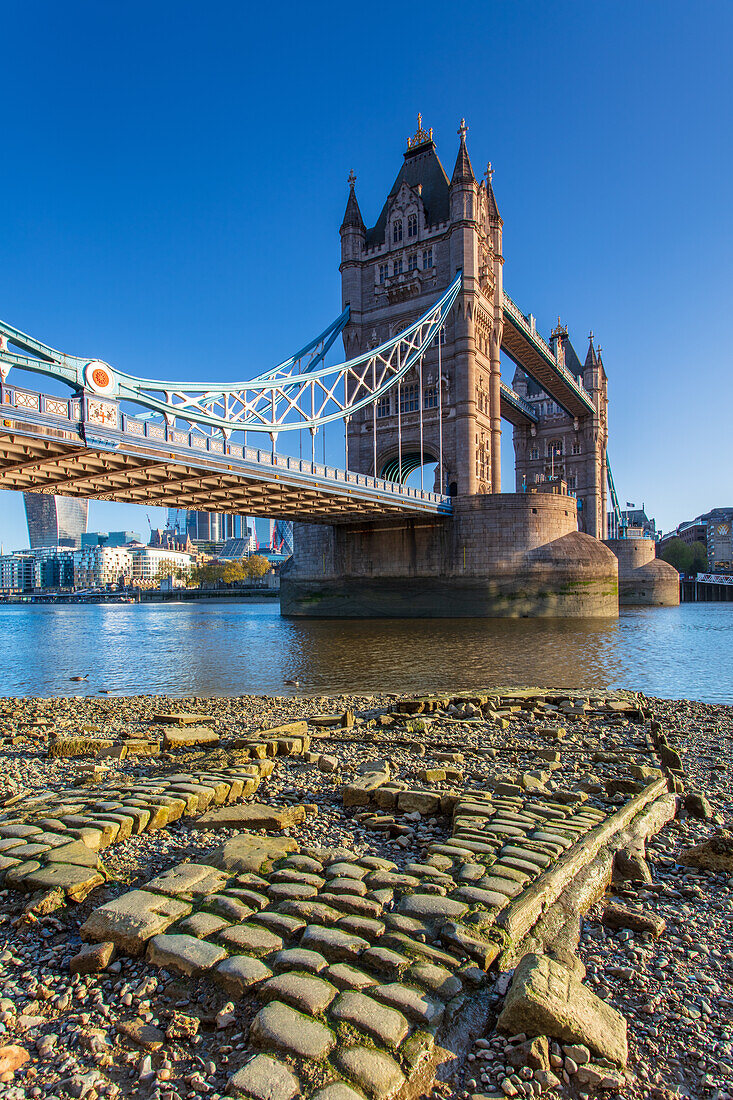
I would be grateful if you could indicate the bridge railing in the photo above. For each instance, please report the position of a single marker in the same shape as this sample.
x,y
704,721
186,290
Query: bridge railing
x,y
82,413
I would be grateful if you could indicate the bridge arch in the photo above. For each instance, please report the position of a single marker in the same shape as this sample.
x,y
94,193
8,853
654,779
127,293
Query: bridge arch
x,y
404,468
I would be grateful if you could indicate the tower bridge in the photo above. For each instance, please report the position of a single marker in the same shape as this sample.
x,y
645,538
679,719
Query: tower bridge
x,y
424,322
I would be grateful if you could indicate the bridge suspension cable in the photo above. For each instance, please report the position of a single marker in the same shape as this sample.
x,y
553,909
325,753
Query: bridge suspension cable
x,y
298,393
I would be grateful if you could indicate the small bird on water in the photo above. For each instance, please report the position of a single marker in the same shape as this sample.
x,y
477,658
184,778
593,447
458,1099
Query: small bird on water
x,y
79,677
296,683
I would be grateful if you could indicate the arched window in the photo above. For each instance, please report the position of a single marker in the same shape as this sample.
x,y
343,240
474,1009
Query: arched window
x,y
397,231
534,453
554,448
412,225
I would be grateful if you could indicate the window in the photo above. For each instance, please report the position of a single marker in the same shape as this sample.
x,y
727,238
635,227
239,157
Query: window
x,y
412,262
575,447
427,258
384,405
398,266
412,225
441,336
383,272
534,453
431,397
554,448
397,232
571,481
409,398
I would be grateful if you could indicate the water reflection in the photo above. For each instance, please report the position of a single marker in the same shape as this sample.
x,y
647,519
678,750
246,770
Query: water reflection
x,y
232,648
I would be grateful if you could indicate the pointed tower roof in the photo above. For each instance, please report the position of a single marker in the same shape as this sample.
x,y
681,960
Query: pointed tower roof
x,y
423,172
490,199
591,359
463,172
352,215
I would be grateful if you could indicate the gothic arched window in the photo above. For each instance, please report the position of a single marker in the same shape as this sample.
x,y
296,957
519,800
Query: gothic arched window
x,y
412,225
397,231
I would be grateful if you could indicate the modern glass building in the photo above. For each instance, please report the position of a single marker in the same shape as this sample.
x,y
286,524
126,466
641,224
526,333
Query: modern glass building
x,y
55,521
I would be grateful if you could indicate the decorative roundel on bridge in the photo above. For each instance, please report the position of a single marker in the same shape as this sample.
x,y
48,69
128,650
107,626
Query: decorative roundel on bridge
x,y
99,377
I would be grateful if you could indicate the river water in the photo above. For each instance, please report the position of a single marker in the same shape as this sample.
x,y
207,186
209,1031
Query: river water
x,y
244,647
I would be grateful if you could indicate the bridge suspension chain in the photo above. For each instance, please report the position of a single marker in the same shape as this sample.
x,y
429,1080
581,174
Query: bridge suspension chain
x,y
299,393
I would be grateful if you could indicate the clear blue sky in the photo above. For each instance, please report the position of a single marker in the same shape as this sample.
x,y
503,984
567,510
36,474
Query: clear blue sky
x,y
174,175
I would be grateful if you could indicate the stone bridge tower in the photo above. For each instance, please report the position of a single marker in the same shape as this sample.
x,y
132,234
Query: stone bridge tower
x,y
430,227
559,446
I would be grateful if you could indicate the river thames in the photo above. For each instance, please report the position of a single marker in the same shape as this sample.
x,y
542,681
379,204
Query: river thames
x,y
244,648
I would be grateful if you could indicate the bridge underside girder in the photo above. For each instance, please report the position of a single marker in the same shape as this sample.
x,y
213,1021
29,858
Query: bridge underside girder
x,y
522,352
32,461
514,414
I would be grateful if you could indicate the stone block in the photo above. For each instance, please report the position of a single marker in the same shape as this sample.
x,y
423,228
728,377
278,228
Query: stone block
x,y
546,998
77,746
385,1024
283,1028
264,1078
248,852
92,958
188,880
361,792
185,954
375,1073
254,815
130,921
239,973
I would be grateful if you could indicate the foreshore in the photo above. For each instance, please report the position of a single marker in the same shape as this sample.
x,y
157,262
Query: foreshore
x,y
516,892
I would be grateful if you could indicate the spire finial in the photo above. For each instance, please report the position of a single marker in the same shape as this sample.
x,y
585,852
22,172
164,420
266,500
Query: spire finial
x,y
489,174
352,179
422,137
590,336
462,130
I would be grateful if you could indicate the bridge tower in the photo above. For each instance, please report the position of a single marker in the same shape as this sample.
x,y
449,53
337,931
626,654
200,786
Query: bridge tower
x,y
429,228
560,446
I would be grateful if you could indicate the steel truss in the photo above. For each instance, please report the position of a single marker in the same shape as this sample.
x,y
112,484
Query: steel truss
x,y
300,393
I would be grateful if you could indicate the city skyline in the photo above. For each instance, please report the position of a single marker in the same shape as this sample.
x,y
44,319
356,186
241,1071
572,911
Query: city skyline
x,y
613,202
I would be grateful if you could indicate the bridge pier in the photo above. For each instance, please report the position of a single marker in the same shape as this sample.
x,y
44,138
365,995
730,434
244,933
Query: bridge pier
x,y
512,555
644,580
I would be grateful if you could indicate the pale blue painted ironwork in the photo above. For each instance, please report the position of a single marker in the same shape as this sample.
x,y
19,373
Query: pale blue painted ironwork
x,y
295,395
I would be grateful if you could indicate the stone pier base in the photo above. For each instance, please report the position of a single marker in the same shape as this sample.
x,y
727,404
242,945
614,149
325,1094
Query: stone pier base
x,y
506,555
643,579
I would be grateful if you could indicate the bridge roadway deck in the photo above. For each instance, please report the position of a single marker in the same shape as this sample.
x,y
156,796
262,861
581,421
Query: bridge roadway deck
x,y
87,447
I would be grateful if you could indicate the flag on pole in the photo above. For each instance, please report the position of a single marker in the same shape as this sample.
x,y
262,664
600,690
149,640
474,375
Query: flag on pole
x,y
629,504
